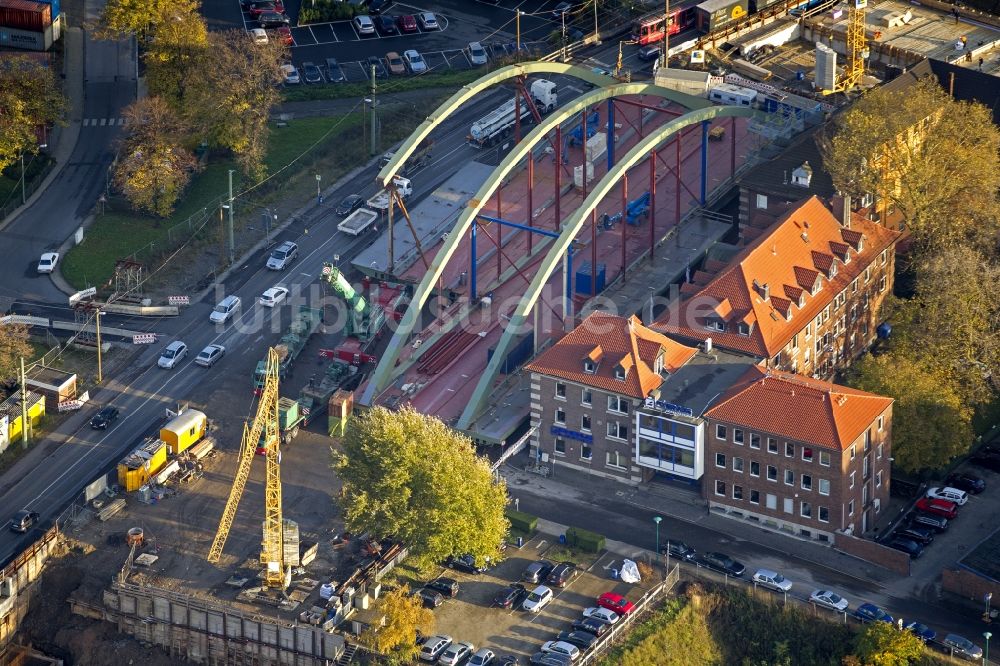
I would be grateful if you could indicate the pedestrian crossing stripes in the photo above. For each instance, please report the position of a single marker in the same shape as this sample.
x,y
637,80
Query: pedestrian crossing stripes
x,y
103,122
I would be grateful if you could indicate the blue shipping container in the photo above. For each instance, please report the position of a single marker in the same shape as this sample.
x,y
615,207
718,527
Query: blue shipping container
x,y
583,280
516,357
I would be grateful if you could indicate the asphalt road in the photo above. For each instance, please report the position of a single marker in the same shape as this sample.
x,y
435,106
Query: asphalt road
x,y
109,88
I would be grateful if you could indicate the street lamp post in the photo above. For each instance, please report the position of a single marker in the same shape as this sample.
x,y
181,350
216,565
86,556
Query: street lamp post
x,y
100,373
319,195
986,653
987,597
657,519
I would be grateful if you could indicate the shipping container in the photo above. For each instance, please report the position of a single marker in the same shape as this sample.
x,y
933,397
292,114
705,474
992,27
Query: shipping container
x,y
520,352
25,15
56,9
717,14
138,467
583,279
758,5
183,430
28,40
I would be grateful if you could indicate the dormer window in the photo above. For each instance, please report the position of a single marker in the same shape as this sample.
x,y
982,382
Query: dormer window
x,y
802,176
742,328
802,301
861,244
619,372
658,364
716,325
847,256
589,367
817,285
833,270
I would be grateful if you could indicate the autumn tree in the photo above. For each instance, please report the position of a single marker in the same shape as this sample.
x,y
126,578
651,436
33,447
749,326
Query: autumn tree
x,y
14,346
141,17
935,159
30,98
153,166
882,644
404,616
179,50
410,477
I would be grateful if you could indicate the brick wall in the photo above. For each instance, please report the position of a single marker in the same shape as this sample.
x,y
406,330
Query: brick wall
x,y
869,551
968,584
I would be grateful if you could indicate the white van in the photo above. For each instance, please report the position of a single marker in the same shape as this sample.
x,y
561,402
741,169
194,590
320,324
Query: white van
x,y
226,308
959,497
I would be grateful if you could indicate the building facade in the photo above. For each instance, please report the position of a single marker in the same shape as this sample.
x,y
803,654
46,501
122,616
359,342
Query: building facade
x,y
798,455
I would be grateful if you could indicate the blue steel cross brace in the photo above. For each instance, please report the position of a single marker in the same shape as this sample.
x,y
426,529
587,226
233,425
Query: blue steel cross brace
x,y
506,223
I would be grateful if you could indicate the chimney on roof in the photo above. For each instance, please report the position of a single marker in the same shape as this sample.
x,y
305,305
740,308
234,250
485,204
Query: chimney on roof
x,y
846,212
766,291
805,237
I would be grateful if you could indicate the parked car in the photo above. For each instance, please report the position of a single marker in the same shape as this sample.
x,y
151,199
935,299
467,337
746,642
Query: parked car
x,y
290,74
466,563
430,598
284,35
273,296
828,599
259,36
591,625
258,8
537,572
433,647
428,21
615,602
962,647
563,648
959,497
477,54
456,653
649,53
582,639
723,564
47,262
987,459
483,657
334,74
937,507
364,25
970,483
225,310
172,355
282,256
922,535
210,355
311,73
936,523
272,20
104,418
772,580
562,574
680,550
375,6
604,615
386,24
548,659
922,631
537,599
395,63
415,61
407,23
376,62
908,546
510,596
23,521
349,204
561,8
447,586
871,613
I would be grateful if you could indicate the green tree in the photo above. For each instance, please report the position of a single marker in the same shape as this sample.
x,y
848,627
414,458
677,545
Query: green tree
x,y
404,615
933,158
410,477
882,644
140,17
14,346
30,98
179,50
930,422
153,167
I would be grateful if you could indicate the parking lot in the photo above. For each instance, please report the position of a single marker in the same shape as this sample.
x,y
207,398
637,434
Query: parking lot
x,y
472,615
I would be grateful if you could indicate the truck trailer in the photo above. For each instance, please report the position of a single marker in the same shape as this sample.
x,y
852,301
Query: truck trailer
x,y
358,222
380,201
303,325
500,122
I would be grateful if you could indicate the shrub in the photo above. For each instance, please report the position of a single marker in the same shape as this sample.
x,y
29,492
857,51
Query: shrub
x,y
522,522
318,11
586,541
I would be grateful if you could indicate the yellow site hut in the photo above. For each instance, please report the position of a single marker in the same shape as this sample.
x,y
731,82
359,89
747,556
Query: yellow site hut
x,y
184,430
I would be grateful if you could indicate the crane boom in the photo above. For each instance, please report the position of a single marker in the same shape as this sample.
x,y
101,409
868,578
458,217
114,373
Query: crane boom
x,y
265,422
857,49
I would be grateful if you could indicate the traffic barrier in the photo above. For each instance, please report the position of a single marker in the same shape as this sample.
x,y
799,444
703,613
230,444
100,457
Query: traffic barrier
x,y
144,339
179,300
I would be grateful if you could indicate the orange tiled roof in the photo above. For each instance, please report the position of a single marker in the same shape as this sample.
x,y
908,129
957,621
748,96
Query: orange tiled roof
x,y
620,343
785,262
800,408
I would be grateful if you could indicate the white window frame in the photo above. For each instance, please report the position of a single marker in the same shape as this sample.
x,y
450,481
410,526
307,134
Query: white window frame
x,y
802,481
819,514
819,486
768,473
742,464
619,458
560,391
556,418
723,458
752,463
587,398
719,483
790,477
828,458
752,435
618,402
802,510
583,420
720,431
617,427
852,477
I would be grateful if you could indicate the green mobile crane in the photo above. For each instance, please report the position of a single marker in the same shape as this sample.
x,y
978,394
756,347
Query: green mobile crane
x,y
364,322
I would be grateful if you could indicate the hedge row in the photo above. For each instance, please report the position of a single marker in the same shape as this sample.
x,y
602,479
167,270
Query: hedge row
x,y
589,542
522,522
318,11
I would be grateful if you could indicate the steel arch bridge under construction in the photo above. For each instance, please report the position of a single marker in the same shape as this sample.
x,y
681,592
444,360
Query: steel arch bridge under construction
x,y
698,112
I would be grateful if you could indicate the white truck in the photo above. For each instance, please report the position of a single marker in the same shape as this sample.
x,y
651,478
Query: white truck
x,y
381,200
501,121
357,222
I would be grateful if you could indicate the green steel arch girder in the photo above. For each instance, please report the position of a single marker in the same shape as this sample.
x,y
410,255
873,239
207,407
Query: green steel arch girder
x,y
387,363
571,227
469,91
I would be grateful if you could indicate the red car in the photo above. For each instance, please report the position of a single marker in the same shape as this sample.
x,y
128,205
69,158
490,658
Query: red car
x,y
285,35
615,602
938,507
258,8
407,23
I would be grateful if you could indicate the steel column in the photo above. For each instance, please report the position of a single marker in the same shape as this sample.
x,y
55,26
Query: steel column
x,y
732,153
517,114
677,174
584,161
624,219
652,202
472,266
593,250
558,178
611,133
704,160
499,233
531,189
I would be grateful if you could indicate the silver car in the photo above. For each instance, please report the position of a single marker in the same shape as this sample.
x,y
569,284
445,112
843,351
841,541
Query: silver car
x,y
172,355
210,355
477,54
456,653
415,61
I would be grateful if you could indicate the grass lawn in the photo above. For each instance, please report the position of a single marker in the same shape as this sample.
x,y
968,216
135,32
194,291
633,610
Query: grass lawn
x,y
121,233
448,79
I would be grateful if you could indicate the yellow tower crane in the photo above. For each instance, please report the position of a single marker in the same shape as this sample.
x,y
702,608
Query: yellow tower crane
x,y
264,427
857,49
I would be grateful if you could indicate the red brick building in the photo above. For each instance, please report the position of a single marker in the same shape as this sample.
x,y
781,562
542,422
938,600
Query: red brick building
x,y
798,455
